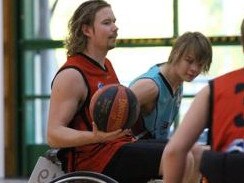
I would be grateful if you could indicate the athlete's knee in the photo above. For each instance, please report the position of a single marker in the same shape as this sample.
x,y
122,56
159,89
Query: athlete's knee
x,y
197,151
189,168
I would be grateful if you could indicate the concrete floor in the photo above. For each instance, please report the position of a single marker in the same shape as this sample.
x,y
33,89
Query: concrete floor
x,y
26,181
13,181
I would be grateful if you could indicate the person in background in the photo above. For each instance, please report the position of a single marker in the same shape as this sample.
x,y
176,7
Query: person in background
x,y
220,107
92,33
159,90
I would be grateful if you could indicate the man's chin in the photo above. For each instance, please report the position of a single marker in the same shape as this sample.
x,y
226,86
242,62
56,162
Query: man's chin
x,y
110,47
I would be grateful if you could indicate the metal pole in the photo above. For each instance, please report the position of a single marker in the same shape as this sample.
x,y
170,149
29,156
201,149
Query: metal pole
x,y
2,161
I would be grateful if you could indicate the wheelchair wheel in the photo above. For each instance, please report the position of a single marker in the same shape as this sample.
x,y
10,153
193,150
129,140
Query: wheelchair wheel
x,y
83,177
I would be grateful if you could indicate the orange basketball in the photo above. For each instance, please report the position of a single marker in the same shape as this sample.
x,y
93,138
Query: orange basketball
x,y
113,107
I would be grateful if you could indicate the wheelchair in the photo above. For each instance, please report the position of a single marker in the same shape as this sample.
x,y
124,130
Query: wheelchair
x,y
83,177
44,175
80,176
88,177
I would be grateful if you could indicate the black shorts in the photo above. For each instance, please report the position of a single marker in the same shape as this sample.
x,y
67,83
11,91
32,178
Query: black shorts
x,y
220,167
136,162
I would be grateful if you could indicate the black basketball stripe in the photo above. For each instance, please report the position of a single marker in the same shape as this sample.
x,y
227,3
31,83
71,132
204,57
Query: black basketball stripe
x,y
103,107
133,106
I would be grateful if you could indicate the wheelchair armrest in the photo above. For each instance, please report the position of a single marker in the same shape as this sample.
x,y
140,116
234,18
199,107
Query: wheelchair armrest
x,y
51,155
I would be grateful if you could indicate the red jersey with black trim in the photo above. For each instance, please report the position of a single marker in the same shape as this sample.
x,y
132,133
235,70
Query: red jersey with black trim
x,y
92,157
227,109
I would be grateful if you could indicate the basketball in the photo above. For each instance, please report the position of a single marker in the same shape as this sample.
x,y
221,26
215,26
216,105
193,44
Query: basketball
x,y
113,107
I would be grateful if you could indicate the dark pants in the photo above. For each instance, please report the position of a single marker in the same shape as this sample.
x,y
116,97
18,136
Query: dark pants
x,y
220,167
136,162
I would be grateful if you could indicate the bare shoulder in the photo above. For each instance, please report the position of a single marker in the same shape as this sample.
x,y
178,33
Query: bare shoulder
x,y
146,92
69,81
145,85
69,74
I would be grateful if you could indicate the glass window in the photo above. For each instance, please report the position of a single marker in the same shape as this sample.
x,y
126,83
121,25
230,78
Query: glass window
x,y
138,18
39,70
132,62
225,59
36,115
135,18
213,18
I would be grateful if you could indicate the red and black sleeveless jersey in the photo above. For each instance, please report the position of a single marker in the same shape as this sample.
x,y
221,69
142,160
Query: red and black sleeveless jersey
x,y
95,77
93,157
227,109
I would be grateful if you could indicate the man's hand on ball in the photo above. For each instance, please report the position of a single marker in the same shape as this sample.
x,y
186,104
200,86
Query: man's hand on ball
x,y
101,136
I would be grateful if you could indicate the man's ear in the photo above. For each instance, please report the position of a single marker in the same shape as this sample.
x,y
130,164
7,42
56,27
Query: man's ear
x,y
86,29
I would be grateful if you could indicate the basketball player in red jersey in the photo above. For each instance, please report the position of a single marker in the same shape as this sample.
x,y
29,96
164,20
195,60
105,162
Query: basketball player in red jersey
x,y
92,33
219,106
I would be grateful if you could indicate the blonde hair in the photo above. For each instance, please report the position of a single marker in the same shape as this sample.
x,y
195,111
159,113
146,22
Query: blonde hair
x,y
196,42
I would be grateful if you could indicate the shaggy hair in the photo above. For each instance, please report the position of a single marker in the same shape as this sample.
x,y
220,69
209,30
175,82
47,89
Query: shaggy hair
x,y
195,42
85,14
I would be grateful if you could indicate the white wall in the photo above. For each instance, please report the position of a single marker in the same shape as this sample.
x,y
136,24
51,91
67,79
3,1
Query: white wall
x,y
1,95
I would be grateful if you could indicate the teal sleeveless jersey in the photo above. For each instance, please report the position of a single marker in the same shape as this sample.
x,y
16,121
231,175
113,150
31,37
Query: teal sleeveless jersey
x,y
158,122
